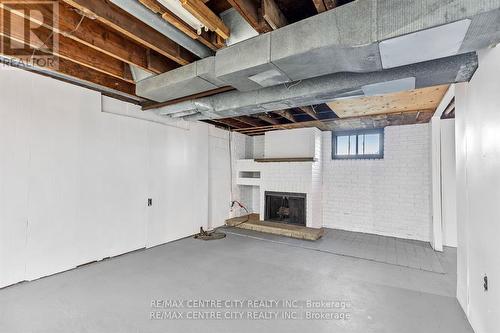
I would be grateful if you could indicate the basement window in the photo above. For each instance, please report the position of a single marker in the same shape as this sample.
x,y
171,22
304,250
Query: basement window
x,y
359,144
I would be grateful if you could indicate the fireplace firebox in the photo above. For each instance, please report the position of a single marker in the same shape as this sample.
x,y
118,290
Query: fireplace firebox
x,y
285,207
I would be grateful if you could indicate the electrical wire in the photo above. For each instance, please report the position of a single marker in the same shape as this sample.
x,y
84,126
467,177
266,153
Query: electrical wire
x,y
65,34
214,233
290,86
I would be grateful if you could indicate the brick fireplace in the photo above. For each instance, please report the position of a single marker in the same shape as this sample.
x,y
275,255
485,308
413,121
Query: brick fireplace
x,y
292,165
285,207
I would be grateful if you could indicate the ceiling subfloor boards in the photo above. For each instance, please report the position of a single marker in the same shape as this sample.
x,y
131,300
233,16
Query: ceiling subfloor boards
x,y
424,98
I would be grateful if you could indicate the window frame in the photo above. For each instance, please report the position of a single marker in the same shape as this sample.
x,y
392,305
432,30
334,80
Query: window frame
x,y
359,132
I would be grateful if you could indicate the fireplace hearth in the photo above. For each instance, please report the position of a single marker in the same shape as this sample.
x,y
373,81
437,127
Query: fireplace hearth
x,y
285,207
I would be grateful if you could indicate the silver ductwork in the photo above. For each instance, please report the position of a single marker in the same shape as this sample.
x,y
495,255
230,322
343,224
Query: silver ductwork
x,y
187,80
364,36
326,88
134,8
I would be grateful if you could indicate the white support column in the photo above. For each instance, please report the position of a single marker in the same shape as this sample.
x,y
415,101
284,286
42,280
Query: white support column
x,y
437,227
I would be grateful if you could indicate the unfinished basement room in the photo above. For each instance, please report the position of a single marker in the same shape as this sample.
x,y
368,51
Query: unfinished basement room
x,y
249,166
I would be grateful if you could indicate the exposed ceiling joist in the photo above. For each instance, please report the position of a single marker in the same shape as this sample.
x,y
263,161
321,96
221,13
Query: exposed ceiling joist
x,y
319,5
330,4
93,34
67,48
232,123
309,111
74,70
121,21
287,115
204,37
250,10
268,119
407,107
249,120
273,15
449,112
74,81
339,124
209,19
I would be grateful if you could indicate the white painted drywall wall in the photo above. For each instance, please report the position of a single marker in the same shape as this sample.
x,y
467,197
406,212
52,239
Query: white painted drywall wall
x,y
478,193
219,177
448,183
14,164
74,181
389,196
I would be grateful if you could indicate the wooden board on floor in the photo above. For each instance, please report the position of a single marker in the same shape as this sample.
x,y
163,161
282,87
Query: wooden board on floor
x,y
405,101
275,228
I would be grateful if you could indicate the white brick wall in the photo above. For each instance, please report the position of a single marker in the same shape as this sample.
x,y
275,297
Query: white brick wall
x,y
258,146
391,196
297,177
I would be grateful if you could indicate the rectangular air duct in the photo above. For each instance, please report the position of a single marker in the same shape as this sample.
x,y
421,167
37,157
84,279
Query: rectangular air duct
x,y
187,80
424,45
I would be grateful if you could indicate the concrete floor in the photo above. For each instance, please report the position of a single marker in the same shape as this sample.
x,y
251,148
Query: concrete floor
x,y
390,250
115,295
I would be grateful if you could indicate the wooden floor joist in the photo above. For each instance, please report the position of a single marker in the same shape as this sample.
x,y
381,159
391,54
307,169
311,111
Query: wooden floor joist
x,y
74,70
319,5
268,119
114,17
273,15
93,34
287,115
199,10
66,48
356,122
205,37
251,12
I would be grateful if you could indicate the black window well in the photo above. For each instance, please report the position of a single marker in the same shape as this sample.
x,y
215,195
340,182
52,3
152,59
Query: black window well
x,y
358,144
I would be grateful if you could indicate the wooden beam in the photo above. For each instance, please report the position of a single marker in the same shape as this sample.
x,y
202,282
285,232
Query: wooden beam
x,y
66,48
153,6
221,123
309,111
330,4
99,37
230,122
287,115
319,5
86,74
56,76
206,38
449,109
79,72
268,119
199,10
250,11
371,121
273,15
248,120
113,16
